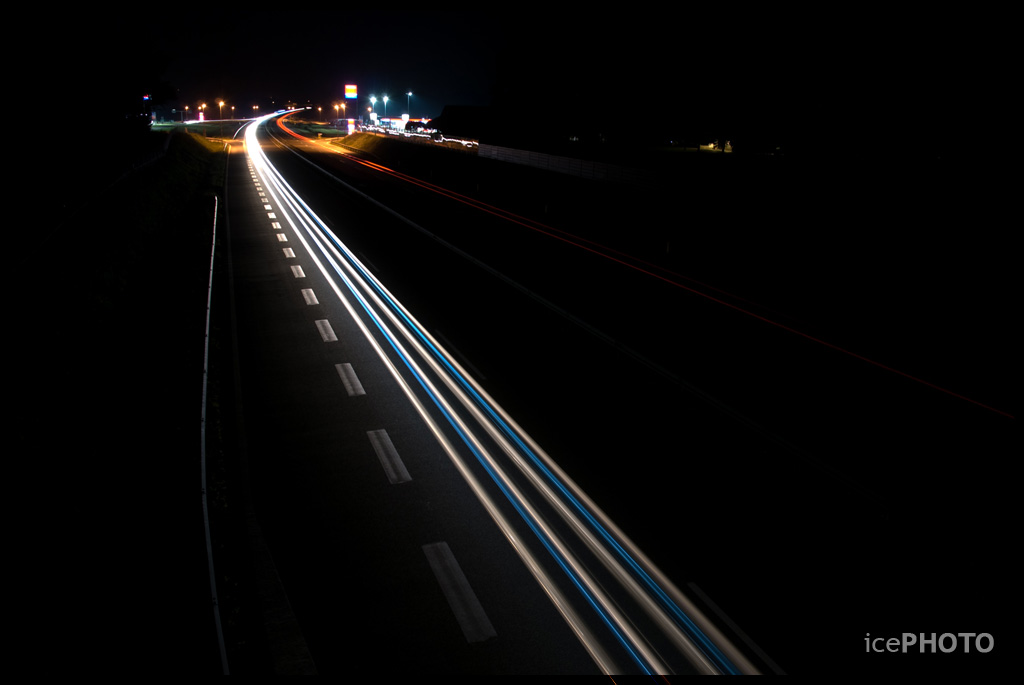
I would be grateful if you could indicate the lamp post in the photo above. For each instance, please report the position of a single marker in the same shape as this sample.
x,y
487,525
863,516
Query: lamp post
x,y
220,109
408,109
373,103
385,106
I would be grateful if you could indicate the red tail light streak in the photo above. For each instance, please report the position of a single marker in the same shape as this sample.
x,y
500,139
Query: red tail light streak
x,y
703,290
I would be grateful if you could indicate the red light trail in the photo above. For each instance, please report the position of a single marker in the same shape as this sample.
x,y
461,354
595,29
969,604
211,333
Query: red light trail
x,y
643,267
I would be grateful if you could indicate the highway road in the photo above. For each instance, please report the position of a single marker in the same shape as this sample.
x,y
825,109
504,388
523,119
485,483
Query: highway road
x,y
496,424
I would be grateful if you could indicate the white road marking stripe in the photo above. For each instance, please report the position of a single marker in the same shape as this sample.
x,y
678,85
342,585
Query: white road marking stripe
x,y
388,455
276,225
289,252
461,598
271,215
267,207
309,296
593,589
326,332
351,382
298,272
282,238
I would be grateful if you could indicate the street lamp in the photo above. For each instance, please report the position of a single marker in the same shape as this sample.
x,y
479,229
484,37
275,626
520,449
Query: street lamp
x,y
408,109
220,110
385,106
373,102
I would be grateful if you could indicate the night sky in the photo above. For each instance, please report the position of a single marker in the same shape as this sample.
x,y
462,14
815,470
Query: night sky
x,y
197,55
796,76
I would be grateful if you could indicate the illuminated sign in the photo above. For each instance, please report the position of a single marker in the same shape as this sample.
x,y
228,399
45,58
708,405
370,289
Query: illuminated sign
x,y
350,92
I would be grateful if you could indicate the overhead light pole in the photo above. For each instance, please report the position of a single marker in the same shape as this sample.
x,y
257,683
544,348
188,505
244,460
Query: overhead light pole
x,y
408,108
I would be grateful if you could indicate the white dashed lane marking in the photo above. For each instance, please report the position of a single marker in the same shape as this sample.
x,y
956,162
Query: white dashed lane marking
x,y
394,468
461,598
349,379
326,332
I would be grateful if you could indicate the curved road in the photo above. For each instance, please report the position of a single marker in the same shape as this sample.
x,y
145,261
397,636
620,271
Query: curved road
x,y
736,445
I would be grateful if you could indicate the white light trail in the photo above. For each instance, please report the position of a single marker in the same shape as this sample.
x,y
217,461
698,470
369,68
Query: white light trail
x,y
496,442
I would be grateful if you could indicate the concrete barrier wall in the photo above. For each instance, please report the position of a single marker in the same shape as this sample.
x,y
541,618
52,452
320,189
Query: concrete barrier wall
x,y
565,165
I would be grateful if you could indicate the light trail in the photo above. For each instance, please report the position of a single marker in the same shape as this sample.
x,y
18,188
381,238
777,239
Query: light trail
x,y
672,278
576,534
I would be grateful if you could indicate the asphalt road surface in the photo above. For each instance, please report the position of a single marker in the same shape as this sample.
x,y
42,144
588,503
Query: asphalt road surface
x,y
788,385
756,423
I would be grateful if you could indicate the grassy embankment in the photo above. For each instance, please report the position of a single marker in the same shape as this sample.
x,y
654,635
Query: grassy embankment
x,y
119,393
